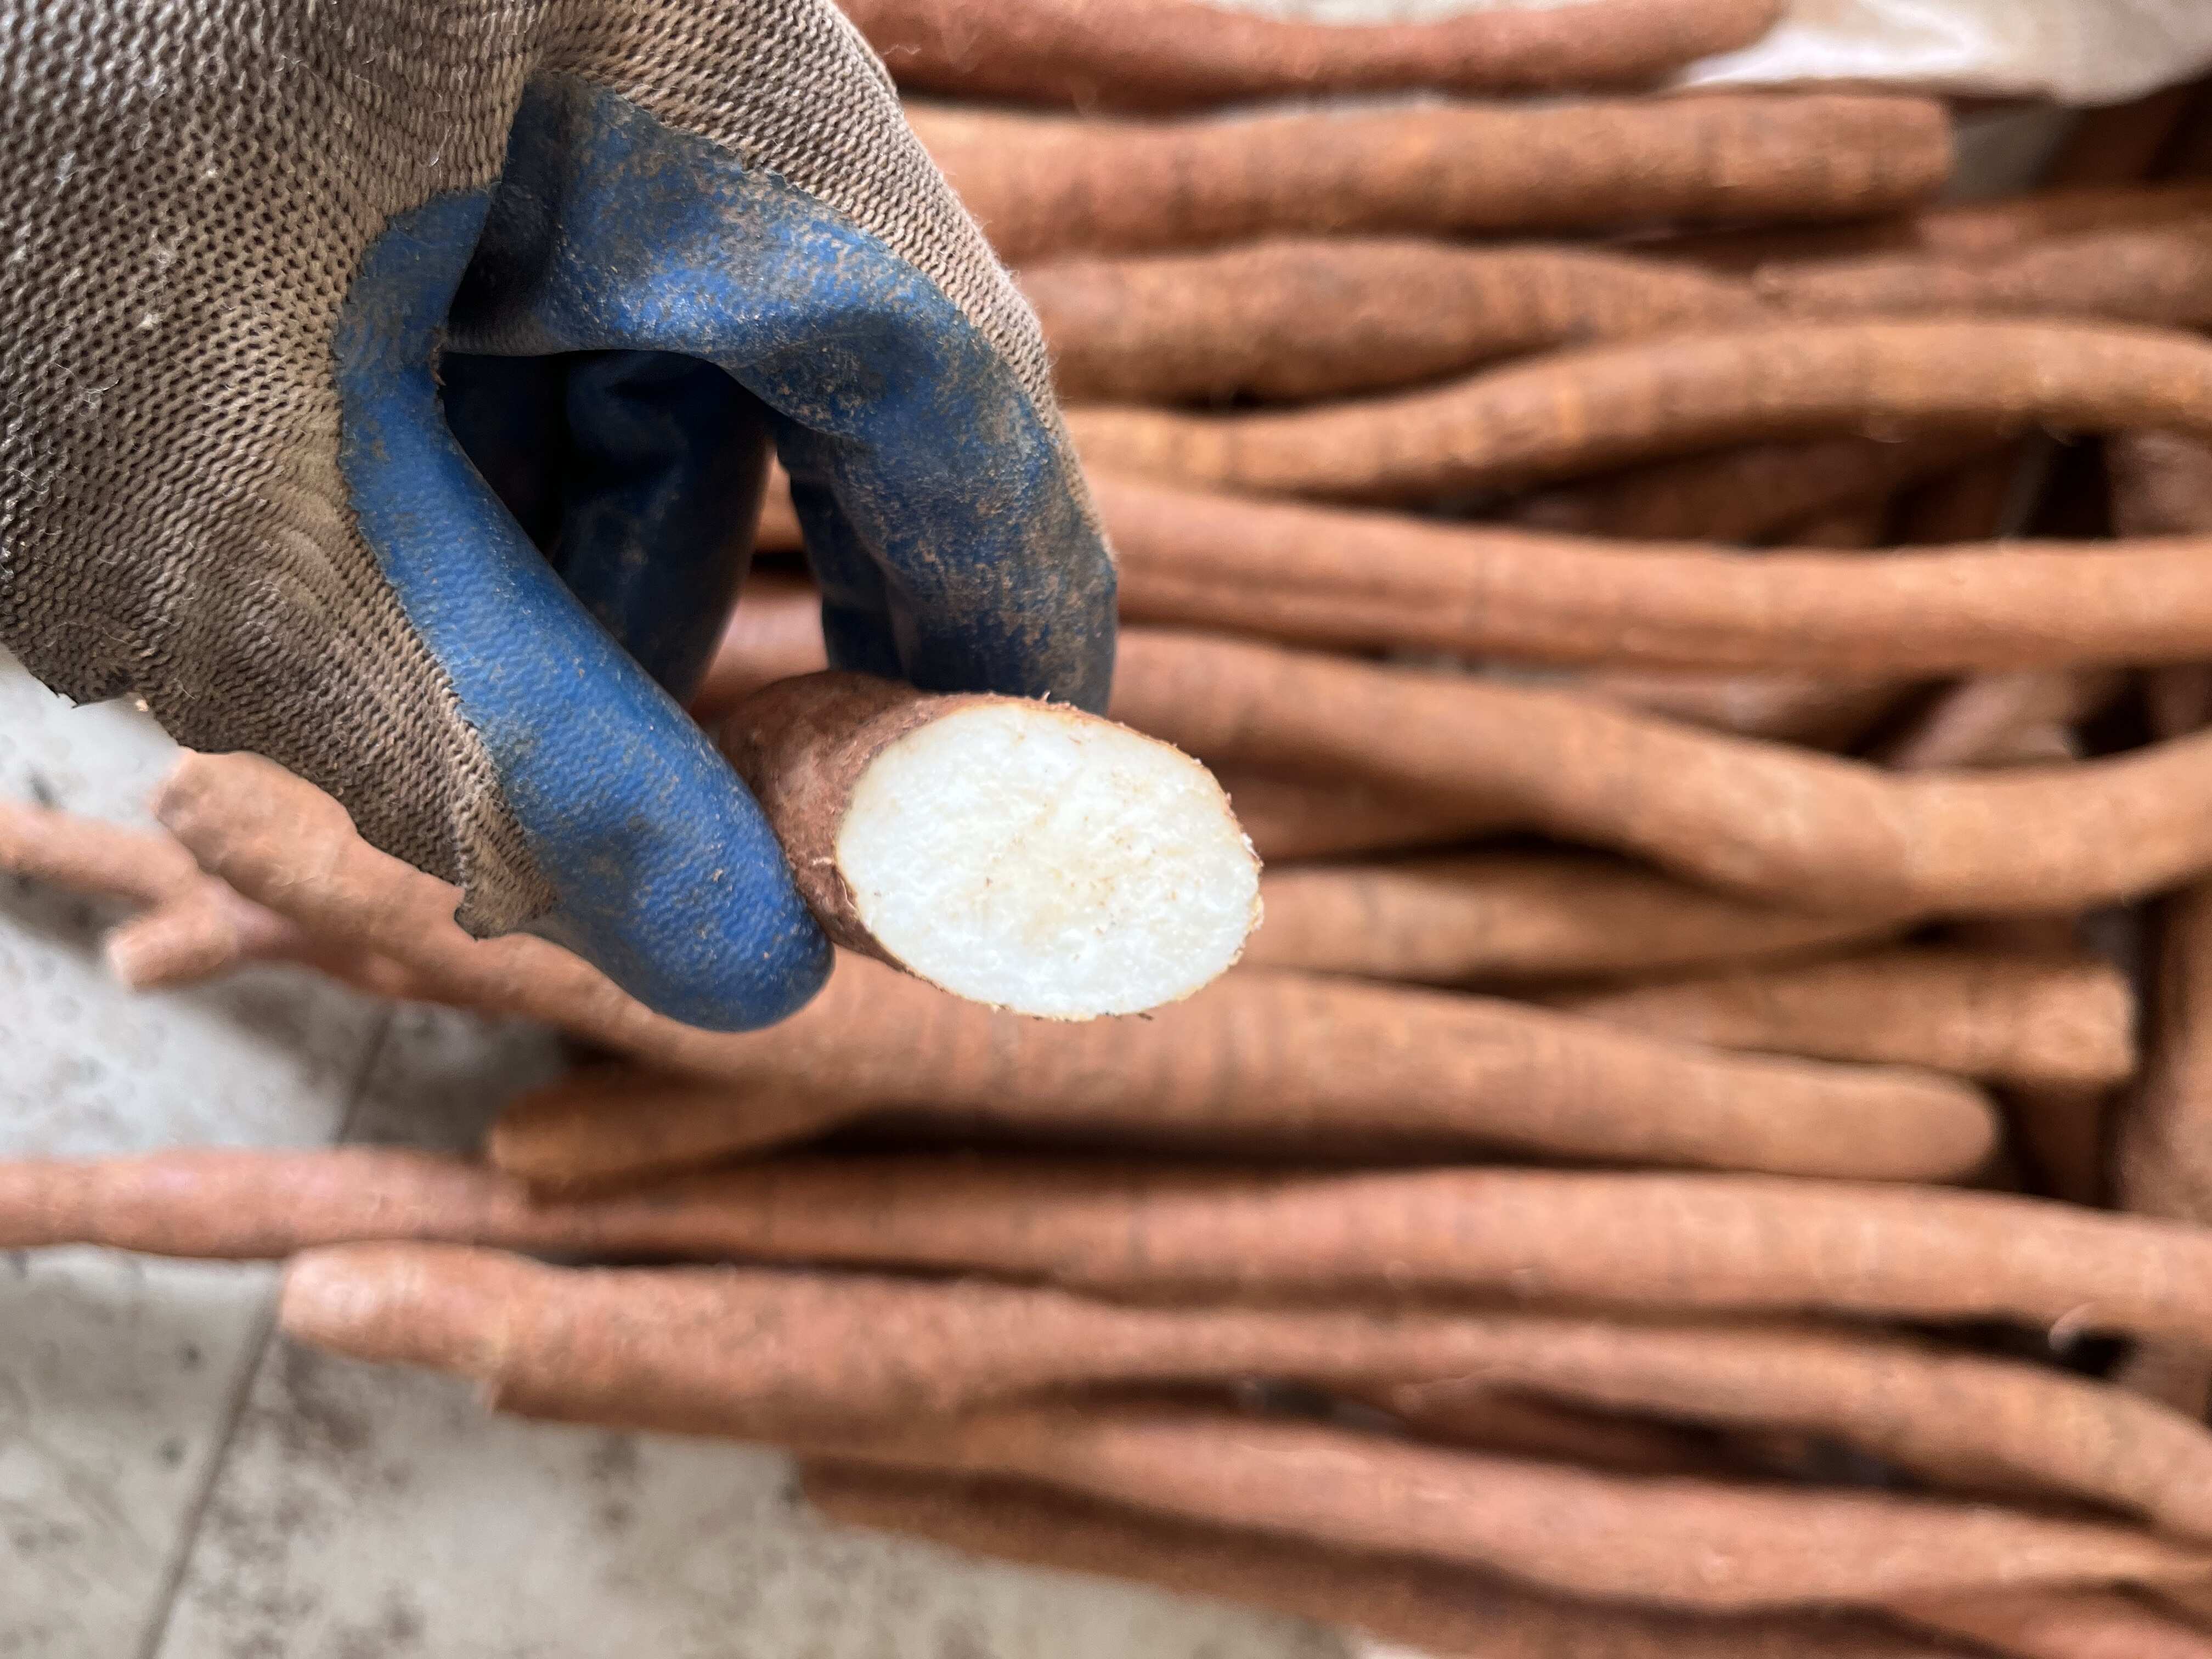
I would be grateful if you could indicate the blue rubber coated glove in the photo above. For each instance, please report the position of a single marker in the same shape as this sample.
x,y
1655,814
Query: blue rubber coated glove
x,y
389,390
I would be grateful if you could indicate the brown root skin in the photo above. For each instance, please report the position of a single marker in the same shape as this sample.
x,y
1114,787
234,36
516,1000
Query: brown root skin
x,y
1961,230
610,1126
1424,1605
2155,274
801,745
1750,818
1299,318
1167,54
1360,581
1044,185
1290,819
1748,494
1434,1072
1683,1543
775,634
1522,1426
2082,1624
1652,1241
1292,319
2064,1020
1984,720
1832,713
1610,406
1507,917
2162,1164
763,1348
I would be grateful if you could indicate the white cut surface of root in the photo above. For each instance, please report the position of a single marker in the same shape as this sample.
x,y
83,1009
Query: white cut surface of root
x,y
1048,862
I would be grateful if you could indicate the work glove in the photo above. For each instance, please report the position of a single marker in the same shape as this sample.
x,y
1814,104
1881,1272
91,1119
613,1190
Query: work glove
x,y
272,272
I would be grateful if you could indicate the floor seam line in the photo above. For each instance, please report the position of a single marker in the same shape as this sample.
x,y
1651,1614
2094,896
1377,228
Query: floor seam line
x,y
195,1517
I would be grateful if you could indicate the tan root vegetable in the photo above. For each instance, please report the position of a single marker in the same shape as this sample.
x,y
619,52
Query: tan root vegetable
x,y
1748,494
1515,915
1427,1606
2161,483
1302,318
1326,576
1610,404
1163,54
1048,185
193,924
1968,230
1297,318
1021,853
1288,819
1799,829
1653,1241
1290,1061
1521,1426
779,530
1433,1069
2163,1161
2158,274
1976,721
2056,1019
775,634
753,1353
2059,1625
1684,1543
1833,712
773,1347
1955,1419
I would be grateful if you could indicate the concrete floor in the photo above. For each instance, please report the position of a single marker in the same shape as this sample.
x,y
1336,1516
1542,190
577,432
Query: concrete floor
x,y
175,1483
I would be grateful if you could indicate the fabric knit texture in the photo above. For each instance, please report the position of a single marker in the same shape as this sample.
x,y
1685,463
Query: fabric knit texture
x,y
189,191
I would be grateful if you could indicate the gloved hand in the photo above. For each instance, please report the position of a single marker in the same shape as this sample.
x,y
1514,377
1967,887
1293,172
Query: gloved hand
x,y
240,241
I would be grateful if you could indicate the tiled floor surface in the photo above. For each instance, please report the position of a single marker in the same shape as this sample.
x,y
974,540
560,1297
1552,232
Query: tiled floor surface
x,y
176,1484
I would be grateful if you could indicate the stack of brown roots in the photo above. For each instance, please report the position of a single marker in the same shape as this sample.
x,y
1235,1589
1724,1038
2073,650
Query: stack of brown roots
x,y
1710,1151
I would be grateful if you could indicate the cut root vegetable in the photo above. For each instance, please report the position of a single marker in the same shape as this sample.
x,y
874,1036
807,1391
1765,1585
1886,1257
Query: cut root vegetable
x,y
1609,406
1048,185
1828,713
1019,853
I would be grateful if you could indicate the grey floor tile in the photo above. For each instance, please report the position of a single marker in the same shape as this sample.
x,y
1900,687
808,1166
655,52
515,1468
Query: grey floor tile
x,y
116,1379
117,1376
365,1514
